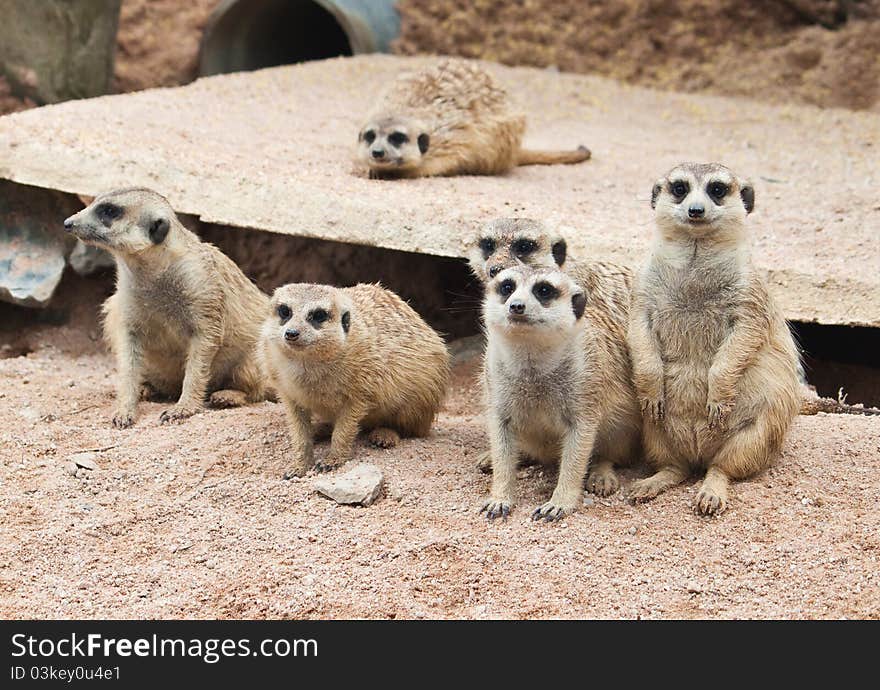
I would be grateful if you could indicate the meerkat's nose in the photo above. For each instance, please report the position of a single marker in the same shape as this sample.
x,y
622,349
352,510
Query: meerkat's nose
x,y
517,306
378,154
291,334
696,211
68,224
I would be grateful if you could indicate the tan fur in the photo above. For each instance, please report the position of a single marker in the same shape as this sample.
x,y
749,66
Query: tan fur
x,y
714,362
555,390
387,373
466,124
507,242
184,319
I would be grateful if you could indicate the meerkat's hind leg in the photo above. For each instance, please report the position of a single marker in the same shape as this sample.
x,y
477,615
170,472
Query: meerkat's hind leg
x,y
602,479
383,437
745,453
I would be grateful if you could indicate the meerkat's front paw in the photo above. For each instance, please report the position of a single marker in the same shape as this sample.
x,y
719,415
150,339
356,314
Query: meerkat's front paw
x,y
603,482
228,398
302,463
554,509
123,419
709,502
384,438
178,413
484,462
654,409
716,414
495,508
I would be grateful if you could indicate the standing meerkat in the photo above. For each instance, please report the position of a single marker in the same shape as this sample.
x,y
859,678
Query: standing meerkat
x,y
184,320
507,242
715,364
450,119
354,357
553,390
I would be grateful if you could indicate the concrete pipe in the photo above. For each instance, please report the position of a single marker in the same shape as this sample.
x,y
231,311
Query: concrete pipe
x,y
245,35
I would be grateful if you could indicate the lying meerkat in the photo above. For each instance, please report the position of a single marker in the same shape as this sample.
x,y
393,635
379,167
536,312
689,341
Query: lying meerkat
x,y
715,364
184,320
354,357
553,387
450,119
507,242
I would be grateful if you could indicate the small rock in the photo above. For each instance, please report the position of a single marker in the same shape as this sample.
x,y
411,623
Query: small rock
x,y
85,460
361,485
71,468
632,530
694,587
589,501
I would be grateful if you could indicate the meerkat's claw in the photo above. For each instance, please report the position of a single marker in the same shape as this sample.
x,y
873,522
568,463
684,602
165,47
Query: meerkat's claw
x,y
716,414
123,420
709,503
496,509
384,438
176,414
549,512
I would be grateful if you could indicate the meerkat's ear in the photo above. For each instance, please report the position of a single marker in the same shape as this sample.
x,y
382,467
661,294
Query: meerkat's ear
x,y
424,141
578,304
346,320
655,192
747,192
559,250
158,230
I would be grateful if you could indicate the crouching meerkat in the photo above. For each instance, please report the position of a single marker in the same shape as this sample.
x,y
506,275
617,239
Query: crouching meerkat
x,y
507,242
450,119
184,320
715,364
354,357
552,389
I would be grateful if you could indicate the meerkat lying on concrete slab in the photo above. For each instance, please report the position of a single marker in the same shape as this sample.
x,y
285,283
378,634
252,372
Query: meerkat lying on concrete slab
x,y
357,357
507,242
715,364
553,388
184,320
450,119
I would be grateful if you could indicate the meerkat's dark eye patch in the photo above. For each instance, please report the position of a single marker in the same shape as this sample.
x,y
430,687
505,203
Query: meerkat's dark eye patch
x,y
578,304
397,138
369,136
523,246
487,246
717,191
545,292
158,230
318,316
679,189
346,321
284,312
506,288
424,141
108,212
559,250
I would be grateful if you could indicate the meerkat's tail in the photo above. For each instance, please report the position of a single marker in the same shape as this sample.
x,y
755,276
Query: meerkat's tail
x,y
815,404
529,157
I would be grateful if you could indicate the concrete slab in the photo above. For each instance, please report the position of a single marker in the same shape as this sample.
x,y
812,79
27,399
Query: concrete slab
x,y
271,150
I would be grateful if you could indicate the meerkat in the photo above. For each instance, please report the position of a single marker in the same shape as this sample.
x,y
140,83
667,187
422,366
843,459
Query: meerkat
x,y
357,357
450,119
184,320
554,387
715,365
507,242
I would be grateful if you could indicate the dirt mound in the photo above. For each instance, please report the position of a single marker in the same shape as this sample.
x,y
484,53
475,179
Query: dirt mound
x,y
820,52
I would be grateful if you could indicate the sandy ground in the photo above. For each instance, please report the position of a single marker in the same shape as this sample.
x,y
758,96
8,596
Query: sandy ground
x,y
194,520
